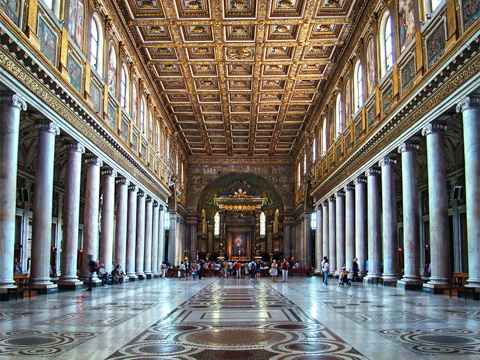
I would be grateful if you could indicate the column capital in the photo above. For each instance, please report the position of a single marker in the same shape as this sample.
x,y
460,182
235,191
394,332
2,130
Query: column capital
x,y
93,161
122,181
140,193
155,203
433,127
75,146
387,160
468,102
161,208
372,172
340,194
14,99
109,172
349,187
132,187
331,199
408,146
360,180
325,203
48,126
148,199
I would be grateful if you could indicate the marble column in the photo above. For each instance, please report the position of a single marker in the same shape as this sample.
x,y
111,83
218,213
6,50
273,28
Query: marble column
x,y
69,279
332,228
10,107
349,226
470,108
438,209
307,227
161,236
325,230
374,229
172,238
318,241
131,233
155,239
193,239
42,208
221,237
287,229
391,272
361,235
140,248
411,218
340,229
121,222
257,235
147,260
107,225
90,222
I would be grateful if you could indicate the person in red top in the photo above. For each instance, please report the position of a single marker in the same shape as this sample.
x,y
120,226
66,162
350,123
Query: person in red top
x,y
285,267
238,268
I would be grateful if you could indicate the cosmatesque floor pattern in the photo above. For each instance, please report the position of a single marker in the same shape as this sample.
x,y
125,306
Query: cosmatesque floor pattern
x,y
218,318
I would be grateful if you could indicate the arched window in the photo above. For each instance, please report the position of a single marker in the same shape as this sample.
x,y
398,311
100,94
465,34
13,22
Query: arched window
x,y
134,104
358,86
386,43
157,138
431,5
96,43
339,116
216,224
124,88
324,136
262,224
313,221
314,150
142,117
167,220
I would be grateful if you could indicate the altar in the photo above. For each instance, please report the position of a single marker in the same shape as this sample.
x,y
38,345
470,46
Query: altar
x,y
239,237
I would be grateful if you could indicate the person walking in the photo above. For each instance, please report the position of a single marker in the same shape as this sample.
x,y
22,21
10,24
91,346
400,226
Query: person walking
x,y
92,267
285,267
325,269
355,269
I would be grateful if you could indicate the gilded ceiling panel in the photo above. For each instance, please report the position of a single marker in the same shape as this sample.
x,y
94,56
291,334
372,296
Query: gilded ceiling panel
x,y
240,77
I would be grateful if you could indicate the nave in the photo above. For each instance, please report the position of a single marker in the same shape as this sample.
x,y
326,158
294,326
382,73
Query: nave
x,y
217,318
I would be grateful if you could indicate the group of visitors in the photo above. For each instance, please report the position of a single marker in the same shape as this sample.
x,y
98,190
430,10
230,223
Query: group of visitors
x,y
117,274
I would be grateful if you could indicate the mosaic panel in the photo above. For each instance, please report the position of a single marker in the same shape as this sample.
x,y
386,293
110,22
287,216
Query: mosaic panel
x,y
13,9
97,320
436,45
408,76
362,316
472,314
75,72
38,343
435,341
260,333
7,316
47,40
125,306
470,10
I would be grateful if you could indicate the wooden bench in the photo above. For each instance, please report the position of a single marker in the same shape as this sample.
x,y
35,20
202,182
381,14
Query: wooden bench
x,y
20,286
302,272
459,282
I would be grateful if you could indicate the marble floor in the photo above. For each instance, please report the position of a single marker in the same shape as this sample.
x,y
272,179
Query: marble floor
x,y
217,318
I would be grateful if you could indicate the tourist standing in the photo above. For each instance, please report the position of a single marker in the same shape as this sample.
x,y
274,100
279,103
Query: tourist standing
x,y
285,267
325,269
274,271
92,267
355,269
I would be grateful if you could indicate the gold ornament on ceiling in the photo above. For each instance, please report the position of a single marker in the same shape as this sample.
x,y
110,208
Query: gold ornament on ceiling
x,y
198,30
202,50
146,4
193,5
156,30
239,30
282,29
286,4
239,53
238,4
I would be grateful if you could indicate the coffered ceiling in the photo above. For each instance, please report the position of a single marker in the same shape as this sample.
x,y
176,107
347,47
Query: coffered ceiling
x,y
239,77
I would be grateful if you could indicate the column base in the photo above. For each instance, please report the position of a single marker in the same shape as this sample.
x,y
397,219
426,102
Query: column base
x,y
44,288
435,288
141,276
410,284
474,289
70,285
132,277
389,280
372,279
156,275
148,276
95,282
